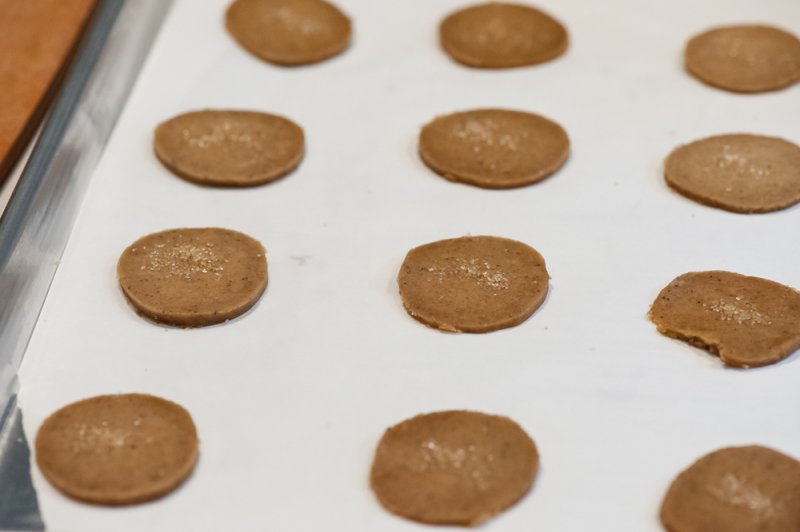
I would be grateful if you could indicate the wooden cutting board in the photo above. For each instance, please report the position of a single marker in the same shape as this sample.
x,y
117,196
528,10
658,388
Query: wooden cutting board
x,y
37,38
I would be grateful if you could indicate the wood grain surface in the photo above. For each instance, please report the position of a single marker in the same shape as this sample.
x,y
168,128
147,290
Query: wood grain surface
x,y
37,39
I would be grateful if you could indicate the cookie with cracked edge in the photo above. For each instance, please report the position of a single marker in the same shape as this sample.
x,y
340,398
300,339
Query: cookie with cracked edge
x,y
453,467
735,489
502,35
473,284
117,449
289,32
193,277
746,321
229,148
493,148
744,58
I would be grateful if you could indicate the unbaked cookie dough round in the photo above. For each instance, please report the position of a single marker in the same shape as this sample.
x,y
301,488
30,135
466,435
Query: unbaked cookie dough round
x,y
736,489
493,148
740,172
746,321
748,58
502,35
289,32
117,449
229,148
473,284
453,467
193,277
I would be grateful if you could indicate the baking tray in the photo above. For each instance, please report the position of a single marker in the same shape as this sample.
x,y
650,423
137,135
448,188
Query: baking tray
x,y
291,399
37,215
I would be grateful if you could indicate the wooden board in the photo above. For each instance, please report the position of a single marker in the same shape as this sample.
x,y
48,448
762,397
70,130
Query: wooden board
x,y
37,39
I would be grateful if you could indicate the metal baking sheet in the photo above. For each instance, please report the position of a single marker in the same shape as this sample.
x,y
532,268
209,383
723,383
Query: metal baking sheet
x,y
39,207
291,399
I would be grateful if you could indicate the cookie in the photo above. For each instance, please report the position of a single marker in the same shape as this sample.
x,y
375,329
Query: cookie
x,y
747,58
229,148
493,148
739,173
453,468
289,32
473,284
746,321
193,277
737,489
117,449
501,35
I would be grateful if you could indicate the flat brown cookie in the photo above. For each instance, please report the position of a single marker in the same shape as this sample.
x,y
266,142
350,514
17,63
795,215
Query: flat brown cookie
x,y
473,284
746,321
500,35
289,32
193,277
737,489
455,467
739,173
744,58
493,148
117,449
229,148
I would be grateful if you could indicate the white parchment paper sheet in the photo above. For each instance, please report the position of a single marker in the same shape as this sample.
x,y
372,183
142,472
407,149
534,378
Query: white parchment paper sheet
x,y
291,399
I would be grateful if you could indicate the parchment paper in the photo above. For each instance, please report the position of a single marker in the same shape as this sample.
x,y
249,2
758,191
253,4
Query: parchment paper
x,y
291,399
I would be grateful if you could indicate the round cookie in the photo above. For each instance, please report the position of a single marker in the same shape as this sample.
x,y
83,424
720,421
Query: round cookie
x,y
502,35
736,489
117,449
473,284
747,58
746,321
493,148
289,32
454,467
229,148
739,172
193,277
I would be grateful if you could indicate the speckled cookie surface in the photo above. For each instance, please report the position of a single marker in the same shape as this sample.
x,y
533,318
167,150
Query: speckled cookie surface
x,y
453,467
117,449
493,148
740,173
473,284
289,32
746,321
193,277
747,58
736,489
229,148
502,35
